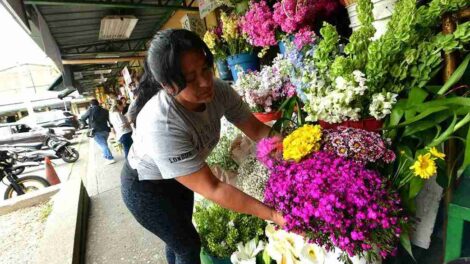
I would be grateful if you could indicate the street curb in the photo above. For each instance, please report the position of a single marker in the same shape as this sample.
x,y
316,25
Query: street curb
x,y
64,239
28,199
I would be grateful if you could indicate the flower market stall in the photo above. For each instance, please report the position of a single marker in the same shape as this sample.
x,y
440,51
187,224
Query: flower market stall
x,y
371,130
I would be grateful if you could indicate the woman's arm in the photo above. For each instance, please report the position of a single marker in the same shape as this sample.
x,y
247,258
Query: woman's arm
x,y
227,196
253,128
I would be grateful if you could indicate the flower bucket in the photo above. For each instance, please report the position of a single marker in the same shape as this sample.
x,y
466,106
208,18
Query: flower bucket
x,y
282,47
268,117
208,259
223,70
242,62
368,124
382,11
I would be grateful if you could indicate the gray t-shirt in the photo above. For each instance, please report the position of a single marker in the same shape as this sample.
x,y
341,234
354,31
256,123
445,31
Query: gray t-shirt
x,y
171,141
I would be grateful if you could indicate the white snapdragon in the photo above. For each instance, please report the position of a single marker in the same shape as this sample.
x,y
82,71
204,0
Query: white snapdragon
x,y
335,103
382,104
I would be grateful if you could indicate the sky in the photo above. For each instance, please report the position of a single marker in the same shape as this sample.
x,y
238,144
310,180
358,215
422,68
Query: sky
x,y
16,45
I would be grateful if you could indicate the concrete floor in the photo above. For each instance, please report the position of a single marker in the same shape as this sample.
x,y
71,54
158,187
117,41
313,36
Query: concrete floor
x,y
114,236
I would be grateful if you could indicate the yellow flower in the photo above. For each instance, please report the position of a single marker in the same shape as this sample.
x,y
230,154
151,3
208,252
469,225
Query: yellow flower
x,y
209,39
302,142
424,167
435,153
229,27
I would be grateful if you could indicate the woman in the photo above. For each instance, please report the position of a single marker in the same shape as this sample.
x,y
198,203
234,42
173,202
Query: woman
x,y
122,128
177,127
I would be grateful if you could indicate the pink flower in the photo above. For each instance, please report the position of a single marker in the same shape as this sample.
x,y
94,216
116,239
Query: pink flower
x,y
337,202
304,37
259,25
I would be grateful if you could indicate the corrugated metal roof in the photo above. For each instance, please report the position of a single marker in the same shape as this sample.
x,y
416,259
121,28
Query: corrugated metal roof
x,y
75,26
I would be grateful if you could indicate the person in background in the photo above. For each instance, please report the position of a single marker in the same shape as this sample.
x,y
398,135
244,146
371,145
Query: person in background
x,y
122,128
125,105
98,118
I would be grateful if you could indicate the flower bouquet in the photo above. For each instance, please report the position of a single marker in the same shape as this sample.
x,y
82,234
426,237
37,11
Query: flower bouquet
x,y
266,90
363,80
267,25
336,201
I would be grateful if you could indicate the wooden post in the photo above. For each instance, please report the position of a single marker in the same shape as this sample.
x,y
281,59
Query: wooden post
x,y
450,64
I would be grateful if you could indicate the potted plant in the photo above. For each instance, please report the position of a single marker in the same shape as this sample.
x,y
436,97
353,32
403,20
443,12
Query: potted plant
x,y
240,53
222,230
266,90
219,48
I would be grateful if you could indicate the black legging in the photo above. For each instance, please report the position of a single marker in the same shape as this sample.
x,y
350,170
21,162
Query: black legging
x,y
165,208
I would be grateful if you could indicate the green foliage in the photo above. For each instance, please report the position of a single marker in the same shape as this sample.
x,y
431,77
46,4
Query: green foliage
x,y
221,230
423,120
327,48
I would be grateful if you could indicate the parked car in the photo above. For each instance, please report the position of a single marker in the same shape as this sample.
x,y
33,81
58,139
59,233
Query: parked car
x,y
18,133
55,118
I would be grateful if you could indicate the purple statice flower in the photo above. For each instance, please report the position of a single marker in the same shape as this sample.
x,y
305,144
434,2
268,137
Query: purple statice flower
x,y
336,202
357,144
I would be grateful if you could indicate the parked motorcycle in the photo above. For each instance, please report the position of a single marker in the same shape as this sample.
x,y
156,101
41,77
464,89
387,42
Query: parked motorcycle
x,y
19,167
59,150
18,185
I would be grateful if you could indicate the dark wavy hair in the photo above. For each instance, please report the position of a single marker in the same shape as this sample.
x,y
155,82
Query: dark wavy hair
x,y
163,62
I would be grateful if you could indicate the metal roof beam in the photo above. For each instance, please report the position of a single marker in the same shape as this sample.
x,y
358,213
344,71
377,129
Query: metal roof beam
x,y
121,5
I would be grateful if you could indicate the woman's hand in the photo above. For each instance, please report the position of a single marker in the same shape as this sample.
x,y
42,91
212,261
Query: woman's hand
x,y
278,218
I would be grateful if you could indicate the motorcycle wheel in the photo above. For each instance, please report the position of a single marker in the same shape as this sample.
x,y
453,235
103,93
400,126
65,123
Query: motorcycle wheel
x,y
27,184
69,155
18,170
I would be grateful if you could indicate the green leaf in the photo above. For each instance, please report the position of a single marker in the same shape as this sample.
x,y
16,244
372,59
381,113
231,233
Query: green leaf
x,y
406,243
466,159
416,184
443,137
456,76
452,102
423,114
416,96
285,103
266,259
430,122
433,88
300,117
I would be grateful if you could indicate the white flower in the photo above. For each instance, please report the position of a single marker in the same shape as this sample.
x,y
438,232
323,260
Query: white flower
x,y
253,177
312,254
382,104
246,254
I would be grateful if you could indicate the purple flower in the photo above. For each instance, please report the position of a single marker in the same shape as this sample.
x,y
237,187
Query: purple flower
x,y
304,37
338,202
